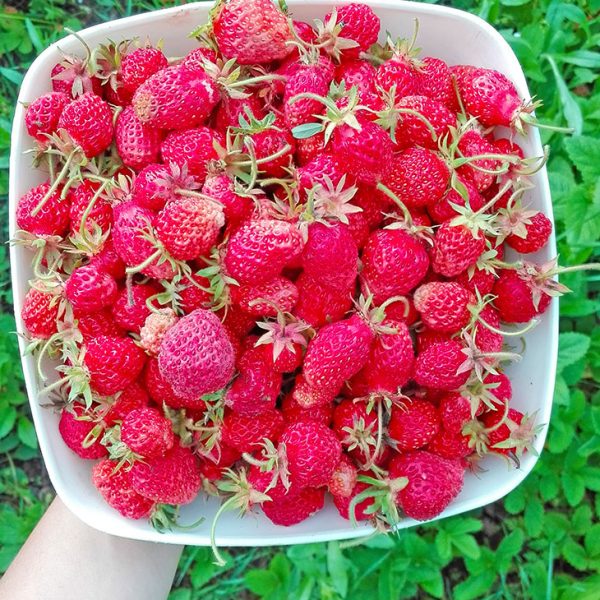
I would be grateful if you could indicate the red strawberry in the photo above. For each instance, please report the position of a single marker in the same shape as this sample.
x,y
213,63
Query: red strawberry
x,y
307,396
337,352
442,210
140,65
73,76
280,295
153,187
366,151
108,260
294,412
52,218
113,363
303,79
237,208
358,23
230,110
170,479
192,296
293,509
138,144
259,250
398,72
257,386
493,99
456,410
356,428
115,486
538,228
451,445
90,290
361,74
456,248
134,396
189,226
514,297
319,305
391,359
412,130
160,389
435,81
42,115
40,313
513,436
283,343
313,453
196,356
427,337
252,32
100,214
477,280
433,482
88,121
342,503
343,479
220,458
472,144
246,433
130,223
330,256
147,433
271,141
191,147
175,98
98,323
317,171
418,177
131,309
309,148
438,365
444,306
74,426
195,59
394,263
414,424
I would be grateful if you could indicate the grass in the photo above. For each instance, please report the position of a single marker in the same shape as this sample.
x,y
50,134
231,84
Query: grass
x,y
541,541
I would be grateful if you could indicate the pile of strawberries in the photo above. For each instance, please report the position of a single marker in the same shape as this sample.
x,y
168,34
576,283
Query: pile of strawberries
x,y
275,267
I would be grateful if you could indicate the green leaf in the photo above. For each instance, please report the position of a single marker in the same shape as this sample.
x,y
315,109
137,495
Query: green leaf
x,y
534,518
338,569
467,545
302,132
8,416
583,152
26,432
476,586
572,346
592,540
261,582
573,487
181,594
574,554
204,568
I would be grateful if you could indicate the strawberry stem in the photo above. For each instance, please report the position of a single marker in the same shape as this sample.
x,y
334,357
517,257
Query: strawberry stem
x,y
154,256
55,184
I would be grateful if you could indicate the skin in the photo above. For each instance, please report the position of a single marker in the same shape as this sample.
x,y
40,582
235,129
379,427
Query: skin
x,y
86,563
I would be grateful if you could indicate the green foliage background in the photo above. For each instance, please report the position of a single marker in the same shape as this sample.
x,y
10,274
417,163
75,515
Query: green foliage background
x,y
541,541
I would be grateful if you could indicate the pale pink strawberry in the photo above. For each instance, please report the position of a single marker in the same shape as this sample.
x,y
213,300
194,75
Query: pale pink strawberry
x,y
115,486
175,98
42,115
252,32
196,356
343,479
138,144
88,121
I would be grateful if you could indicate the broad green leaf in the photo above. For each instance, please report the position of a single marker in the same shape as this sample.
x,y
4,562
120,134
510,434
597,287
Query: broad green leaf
x,y
572,346
583,151
26,432
573,487
534,518
476,586
261,582
338,568
574,554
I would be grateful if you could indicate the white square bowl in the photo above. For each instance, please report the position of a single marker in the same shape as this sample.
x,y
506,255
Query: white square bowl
x,y
453,35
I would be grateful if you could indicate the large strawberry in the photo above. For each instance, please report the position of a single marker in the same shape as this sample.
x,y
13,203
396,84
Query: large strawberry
x,y
175,98
90,290
196,356
444,306
252,32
